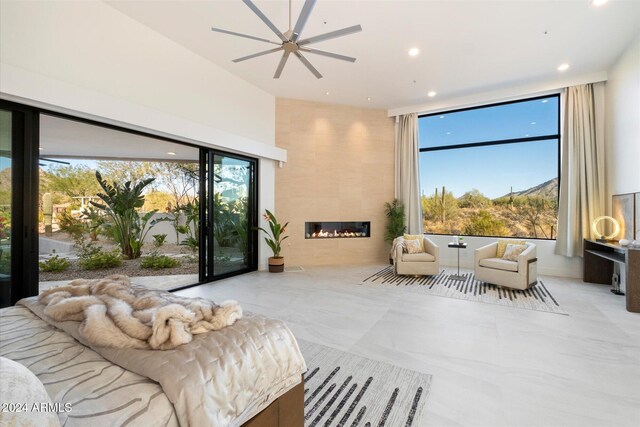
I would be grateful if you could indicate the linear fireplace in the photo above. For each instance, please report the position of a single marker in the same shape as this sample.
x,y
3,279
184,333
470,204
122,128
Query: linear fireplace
x,y
337,229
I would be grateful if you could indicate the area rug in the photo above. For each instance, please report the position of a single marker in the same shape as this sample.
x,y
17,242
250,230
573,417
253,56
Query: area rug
x,y
536,298
343,389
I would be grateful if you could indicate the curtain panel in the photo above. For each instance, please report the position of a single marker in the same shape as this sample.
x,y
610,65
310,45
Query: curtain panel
x,y
407,173
582,188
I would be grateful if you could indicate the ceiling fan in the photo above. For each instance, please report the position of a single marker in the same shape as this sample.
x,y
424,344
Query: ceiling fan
x,y
290,42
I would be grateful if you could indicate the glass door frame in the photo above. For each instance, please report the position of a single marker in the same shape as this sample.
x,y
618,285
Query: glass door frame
x,y
207,270
25,193
25,134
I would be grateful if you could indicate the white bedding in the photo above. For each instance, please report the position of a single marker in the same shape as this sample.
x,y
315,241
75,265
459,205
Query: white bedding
x,y
97,392
222,378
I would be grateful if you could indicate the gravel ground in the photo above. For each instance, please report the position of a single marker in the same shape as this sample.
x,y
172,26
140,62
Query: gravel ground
x,y
130,267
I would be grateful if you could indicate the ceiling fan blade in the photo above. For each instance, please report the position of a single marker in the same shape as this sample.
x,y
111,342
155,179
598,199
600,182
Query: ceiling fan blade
x,y
308,65
302,19
331,35
283,61
329,54
255,55
264,19
247,36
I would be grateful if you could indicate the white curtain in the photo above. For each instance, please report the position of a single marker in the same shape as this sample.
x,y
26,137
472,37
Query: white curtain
x,y
407,175
582,190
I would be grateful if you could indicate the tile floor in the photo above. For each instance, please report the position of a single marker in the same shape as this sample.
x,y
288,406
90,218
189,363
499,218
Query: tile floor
x,y
492,365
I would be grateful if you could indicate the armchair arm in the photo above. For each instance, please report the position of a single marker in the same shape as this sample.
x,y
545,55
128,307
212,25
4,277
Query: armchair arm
x,y
488,251
527,264
431,248
527,257
398,243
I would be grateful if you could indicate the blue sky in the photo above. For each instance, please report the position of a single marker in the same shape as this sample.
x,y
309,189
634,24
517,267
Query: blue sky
x,y
492,169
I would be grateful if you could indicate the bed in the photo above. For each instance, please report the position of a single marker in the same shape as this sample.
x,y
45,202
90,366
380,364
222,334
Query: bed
x,y
253,374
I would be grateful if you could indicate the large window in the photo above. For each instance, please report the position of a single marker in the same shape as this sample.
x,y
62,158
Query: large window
x,y
492,170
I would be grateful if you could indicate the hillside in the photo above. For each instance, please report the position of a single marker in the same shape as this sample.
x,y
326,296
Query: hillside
x,y
548,190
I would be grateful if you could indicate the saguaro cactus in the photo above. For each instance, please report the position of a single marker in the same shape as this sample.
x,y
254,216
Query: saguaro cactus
x,y
443,204
47,211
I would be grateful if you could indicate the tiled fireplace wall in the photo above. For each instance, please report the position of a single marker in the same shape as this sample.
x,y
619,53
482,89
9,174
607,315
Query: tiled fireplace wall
x,y
340,168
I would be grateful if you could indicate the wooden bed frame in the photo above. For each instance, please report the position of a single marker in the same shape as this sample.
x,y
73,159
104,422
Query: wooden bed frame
x,y
285,411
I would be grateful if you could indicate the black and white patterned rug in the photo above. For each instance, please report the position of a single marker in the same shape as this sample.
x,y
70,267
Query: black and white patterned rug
x,y
537,297
343,389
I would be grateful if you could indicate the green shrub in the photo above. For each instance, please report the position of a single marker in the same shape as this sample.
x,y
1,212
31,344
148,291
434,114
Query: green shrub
x,y
159,240
484,224
157,262
70,224
87,248
100,259
55,264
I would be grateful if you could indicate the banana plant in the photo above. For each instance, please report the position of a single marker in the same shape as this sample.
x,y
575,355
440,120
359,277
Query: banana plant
x,y
121,203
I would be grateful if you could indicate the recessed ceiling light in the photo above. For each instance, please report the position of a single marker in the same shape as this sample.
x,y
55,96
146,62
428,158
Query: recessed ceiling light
x,y
326,93
533,123
431,94
544,101
368,98
40,148
597,3
414,51
563,67
171,153
442,117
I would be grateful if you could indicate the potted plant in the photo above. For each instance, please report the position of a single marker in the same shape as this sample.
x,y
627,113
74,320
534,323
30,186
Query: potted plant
x,y
274,240
395,221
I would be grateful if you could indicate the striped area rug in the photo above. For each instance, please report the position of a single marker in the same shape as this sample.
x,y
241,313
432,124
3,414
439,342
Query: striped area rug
x,y
342,389
537,297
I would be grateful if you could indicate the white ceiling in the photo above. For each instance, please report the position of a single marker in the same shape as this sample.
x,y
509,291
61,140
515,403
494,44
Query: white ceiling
x,y
466,47
61,138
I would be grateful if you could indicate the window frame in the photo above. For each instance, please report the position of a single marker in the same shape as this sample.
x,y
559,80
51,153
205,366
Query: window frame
x,y
557,136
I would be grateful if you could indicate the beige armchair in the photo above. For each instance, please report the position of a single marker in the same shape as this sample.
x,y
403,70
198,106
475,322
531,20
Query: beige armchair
x,y
423,264
519,274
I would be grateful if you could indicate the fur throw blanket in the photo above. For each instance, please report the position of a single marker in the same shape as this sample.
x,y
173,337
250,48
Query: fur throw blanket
x,y
115,313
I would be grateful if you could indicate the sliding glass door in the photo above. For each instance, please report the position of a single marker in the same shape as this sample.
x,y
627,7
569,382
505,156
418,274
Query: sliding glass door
x,y
231,215
202,205
18,214
6,158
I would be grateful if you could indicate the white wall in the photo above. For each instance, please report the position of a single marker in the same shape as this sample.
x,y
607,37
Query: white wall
x,y
87,59
548,262
622,123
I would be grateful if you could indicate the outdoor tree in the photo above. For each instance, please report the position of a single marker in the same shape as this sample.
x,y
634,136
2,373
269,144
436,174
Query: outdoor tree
x,y
180,179
72,181
474,199
540,215
126,170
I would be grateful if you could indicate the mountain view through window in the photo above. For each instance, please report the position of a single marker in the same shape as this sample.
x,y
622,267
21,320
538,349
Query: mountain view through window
x,y
491,171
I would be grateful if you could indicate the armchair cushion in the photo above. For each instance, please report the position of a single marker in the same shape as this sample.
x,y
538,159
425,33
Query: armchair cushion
x,y
418,237
499,264
513,252
420,257
502,245
413,247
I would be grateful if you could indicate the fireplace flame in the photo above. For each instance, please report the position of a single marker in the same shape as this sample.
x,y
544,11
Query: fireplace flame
x,y
336,233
